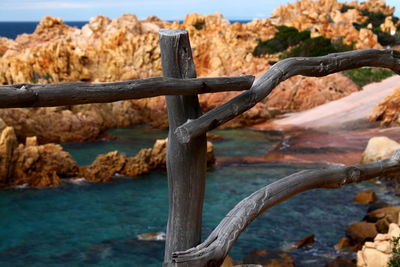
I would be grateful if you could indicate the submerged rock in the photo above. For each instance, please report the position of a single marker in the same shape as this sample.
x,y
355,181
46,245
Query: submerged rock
x,y
365,197
269,258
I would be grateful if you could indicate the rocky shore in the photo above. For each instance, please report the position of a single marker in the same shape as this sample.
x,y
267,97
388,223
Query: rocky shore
x,y
34,165
126,48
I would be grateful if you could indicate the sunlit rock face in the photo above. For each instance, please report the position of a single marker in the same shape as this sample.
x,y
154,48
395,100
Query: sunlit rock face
x,y
126,48
325,18
387,111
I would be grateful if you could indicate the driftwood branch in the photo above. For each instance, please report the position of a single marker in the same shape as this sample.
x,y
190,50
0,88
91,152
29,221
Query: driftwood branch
x,y
62,94
314,67
215,248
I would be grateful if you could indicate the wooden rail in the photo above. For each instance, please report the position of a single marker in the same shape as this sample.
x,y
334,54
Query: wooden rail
x,y
63,94
213,250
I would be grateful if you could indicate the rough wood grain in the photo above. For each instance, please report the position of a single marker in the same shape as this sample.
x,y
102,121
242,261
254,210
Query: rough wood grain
x,y
186,163
215,248
315,67
62,94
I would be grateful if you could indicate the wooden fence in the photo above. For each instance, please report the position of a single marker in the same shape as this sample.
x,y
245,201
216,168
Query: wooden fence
x,y
186,151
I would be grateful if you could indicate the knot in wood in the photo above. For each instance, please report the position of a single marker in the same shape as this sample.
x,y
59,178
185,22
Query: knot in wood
x,y
354,174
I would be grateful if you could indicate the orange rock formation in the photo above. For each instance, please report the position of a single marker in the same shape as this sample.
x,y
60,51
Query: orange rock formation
x,y
126,48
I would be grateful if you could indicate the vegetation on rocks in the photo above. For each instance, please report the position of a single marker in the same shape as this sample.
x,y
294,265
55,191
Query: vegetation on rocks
x,y
368,75
294,43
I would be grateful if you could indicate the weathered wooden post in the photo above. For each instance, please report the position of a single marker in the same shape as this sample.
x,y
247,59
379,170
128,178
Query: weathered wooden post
x,y
186,163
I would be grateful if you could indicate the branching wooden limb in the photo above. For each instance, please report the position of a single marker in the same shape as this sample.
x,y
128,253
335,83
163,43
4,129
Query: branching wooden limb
x,y
315,67
62,94
215,248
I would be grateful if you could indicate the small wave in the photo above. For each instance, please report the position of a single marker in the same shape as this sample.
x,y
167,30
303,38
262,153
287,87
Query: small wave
x,y
152,236
21,186
76,180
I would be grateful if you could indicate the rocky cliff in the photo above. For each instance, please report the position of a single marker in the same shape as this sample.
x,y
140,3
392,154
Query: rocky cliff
x,y
125,48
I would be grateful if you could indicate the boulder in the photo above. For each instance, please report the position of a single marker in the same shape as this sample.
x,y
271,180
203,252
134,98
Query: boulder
x,y
360,232
379,148
366,197
269,258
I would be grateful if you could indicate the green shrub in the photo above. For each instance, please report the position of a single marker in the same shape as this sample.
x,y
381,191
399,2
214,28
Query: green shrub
x,y
199,24
315,47
395,260
345,8
366,75
284,38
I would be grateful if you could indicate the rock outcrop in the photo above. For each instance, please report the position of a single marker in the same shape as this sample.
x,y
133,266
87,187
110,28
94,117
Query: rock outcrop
x,y
325,18
147,159
32,164
379,252
387,111
126,48
36,165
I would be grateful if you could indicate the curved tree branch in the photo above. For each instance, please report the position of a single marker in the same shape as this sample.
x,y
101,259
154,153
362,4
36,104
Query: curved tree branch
x,y
314,67
73,93
215,248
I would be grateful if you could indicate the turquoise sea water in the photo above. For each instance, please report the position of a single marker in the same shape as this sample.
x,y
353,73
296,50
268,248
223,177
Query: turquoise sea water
x,y
96,224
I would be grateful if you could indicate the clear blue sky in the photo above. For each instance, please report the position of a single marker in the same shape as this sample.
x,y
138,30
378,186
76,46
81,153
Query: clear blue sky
x,y
82,10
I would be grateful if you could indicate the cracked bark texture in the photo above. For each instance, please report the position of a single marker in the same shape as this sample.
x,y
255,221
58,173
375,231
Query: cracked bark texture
x,y
214,249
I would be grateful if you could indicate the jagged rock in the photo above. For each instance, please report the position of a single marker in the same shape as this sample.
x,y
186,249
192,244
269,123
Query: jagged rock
x,y
387,111
306,241
42,166
379,148
301,93
147,159
365,197
127,48
104,167
377,6
51,124
269,258
323,18
8,142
